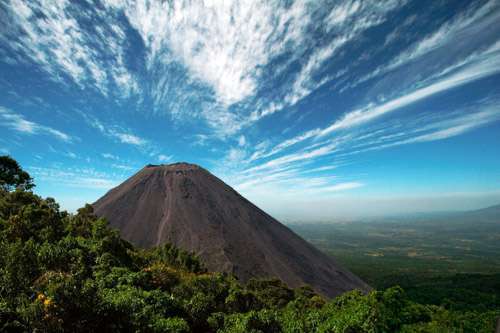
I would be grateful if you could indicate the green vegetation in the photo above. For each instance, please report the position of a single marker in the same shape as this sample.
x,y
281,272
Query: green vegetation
x,y
442,260
71,273
12,176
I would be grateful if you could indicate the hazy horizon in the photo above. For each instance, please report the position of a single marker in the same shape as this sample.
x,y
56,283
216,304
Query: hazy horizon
x,y
311,110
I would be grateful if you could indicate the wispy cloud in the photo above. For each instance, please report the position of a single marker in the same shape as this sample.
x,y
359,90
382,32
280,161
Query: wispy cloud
x,y
51,35
70,154
346,21
223,50
207,38
123,167
110,156
127,138
341,187
86,178
290,185
476,67
18,123
299,156
290,173
467,120
115,132
428,127
469,25
228,52
242,141
482,67
164,158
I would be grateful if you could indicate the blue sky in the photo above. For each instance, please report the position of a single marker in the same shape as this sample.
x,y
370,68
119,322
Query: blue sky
x,y
313,110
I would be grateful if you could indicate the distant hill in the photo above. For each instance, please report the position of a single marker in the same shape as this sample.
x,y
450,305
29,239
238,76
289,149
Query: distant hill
x,y
488,214
187,206
485,215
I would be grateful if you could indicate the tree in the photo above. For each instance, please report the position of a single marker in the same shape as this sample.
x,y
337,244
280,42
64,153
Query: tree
x,y
12,176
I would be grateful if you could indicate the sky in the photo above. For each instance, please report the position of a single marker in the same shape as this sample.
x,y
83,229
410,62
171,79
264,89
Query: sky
x,y
313,110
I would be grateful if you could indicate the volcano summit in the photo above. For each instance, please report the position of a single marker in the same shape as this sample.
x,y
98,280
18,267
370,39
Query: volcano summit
x,y
187,206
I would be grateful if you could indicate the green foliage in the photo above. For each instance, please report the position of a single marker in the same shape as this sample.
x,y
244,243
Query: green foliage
x,y
174,257
71,273
480,292
252,322
271,293
12,176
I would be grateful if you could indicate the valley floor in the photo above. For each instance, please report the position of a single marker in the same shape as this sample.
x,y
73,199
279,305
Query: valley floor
x,y
450,263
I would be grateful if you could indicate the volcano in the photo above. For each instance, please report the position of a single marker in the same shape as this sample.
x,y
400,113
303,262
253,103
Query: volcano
x,y
187,206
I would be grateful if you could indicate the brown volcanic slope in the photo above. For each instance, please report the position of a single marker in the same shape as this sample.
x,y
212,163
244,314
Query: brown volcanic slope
x,y
187,206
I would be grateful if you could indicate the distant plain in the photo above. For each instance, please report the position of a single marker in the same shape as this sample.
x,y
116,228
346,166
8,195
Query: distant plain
x,y
446,259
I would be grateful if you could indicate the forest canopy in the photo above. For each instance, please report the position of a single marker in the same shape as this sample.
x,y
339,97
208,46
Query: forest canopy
x,y
62,272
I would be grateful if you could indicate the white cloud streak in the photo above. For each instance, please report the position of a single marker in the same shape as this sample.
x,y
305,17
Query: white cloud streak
x,y
470,22
223,44
18,123
434,127
347,20
482,67
290,168
448,128
128,138
110,156
341,187
83,178
115,132
476,67
164,158
300,156
50,34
